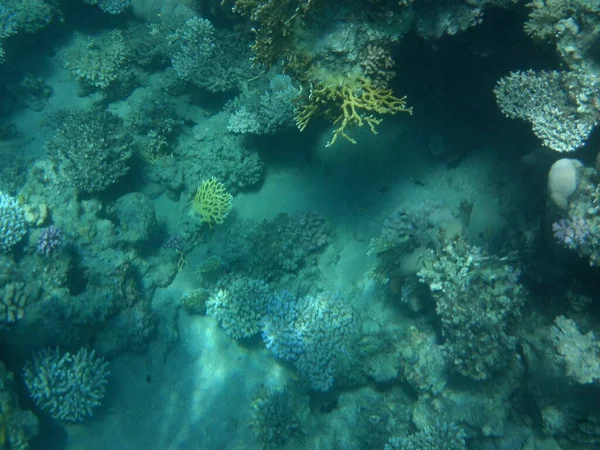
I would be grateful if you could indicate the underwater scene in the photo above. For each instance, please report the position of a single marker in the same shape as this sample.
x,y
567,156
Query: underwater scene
x,y
299,224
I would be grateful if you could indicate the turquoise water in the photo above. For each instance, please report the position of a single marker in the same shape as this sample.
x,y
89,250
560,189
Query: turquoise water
x,y
299,225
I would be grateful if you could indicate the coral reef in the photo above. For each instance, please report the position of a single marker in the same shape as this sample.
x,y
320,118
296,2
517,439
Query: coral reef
x,y
97,62
405,351
571,24
29,16
275,25
12,222
212,202
224,157
546,100
575,210
315,333
441,435
13,299
571,232
66,386
478,299
17,427
449,18
276,418
377,65
265,110
91,148
110,6
195,43
136,217
154,119
240,306
470,315
49,240
563,107
348,102
578,353
194,302
214,60
277,249
404,236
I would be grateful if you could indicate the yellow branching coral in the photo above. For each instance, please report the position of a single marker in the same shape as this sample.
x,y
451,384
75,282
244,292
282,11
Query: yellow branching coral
x,y
212,202
349,102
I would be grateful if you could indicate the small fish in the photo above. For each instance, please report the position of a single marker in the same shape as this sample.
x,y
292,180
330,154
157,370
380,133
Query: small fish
x,y
417,182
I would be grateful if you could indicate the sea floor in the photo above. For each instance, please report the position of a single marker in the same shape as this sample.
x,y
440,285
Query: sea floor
x,y
194,386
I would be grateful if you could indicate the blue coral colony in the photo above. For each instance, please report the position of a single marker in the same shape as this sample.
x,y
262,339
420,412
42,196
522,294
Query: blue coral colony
x,y
298,224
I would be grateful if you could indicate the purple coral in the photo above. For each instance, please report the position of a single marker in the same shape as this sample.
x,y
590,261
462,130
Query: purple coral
x,y
278,333
573,232
50,240
311,332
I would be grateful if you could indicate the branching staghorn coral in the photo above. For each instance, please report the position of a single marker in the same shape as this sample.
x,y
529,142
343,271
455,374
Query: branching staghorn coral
x,y
555,103
91,148
563,107
66,386
478,300
348,101
265,108
213,59
277,416
110,6
12,222
240,306
546,16
98,62
579,353
440,435
315,333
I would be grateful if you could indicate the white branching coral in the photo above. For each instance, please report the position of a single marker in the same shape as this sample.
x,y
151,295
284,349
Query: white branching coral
x,y
545,99
579,353
96,62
